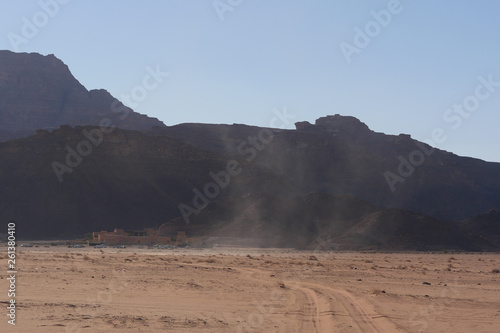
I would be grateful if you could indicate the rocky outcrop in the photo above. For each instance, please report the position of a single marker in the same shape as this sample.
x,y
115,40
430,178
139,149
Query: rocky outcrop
x,y
39,92
346,126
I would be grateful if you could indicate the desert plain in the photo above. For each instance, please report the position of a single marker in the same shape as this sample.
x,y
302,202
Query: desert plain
x,y
61,289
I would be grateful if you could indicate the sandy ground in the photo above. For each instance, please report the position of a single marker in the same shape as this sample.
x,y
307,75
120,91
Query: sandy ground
x,y
251,290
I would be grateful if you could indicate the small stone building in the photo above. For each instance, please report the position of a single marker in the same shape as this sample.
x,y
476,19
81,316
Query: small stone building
x,y
122,237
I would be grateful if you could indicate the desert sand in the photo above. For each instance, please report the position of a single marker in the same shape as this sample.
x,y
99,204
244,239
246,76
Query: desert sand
x,y
61,289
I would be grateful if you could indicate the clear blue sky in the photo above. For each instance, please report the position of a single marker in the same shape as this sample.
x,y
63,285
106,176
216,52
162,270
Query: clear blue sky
x,y
271,54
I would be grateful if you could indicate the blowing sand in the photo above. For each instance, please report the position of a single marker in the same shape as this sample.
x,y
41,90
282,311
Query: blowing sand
x,y
252,290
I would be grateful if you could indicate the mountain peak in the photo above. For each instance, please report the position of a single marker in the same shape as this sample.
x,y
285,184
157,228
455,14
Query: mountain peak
x,y
39,92
12,61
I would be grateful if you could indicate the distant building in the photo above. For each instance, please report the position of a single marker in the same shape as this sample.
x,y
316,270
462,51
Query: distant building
x,y
120,236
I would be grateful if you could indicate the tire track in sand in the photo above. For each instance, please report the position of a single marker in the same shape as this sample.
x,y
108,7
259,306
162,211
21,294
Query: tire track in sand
x,y
331,309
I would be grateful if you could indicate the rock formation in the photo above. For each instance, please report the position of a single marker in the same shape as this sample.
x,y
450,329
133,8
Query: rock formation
x,y
335,178
39,92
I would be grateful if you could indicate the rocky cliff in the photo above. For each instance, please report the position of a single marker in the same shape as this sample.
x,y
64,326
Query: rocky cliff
x,y
340,155
288,191
335,178
39,92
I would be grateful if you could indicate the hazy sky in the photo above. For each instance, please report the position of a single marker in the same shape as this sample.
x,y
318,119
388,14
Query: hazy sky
x,y
399,66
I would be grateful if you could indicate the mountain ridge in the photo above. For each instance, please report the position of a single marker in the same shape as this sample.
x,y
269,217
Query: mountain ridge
x,y
68,172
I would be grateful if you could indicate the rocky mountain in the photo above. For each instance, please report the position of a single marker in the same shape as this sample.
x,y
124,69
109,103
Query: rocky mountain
x,y
332,184
340,155
129,180
71,181
39,92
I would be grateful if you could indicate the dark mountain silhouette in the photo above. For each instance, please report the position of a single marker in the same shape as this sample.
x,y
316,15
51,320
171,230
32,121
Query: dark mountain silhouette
x,y
130,180
134,180
335,182
342,156
39,92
